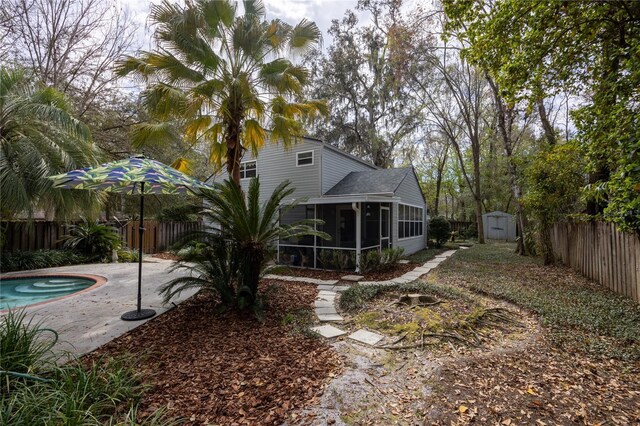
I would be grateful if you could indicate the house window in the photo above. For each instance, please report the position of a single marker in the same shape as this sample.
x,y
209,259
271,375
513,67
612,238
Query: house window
x,y
410,222
248,169
304,158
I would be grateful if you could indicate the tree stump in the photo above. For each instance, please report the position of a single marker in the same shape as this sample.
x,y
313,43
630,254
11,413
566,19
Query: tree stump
x,y
416,300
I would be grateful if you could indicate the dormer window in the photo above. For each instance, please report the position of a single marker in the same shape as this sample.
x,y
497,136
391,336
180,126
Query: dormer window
x,y
248,169
304,158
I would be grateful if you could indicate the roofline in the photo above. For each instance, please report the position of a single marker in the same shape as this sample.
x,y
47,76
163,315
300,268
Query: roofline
x,y
346,154
413,169
339,199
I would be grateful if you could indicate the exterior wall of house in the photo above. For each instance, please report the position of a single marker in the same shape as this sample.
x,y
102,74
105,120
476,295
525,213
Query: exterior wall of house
x,y
276,164
409,193
335,166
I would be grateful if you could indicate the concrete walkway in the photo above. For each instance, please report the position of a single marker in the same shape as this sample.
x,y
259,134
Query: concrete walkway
x,y
90,319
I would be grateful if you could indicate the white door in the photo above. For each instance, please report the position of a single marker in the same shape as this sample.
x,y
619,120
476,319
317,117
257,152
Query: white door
x,y
385,227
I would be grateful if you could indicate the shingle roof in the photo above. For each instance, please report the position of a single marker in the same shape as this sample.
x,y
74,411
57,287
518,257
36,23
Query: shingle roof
x,y
370,182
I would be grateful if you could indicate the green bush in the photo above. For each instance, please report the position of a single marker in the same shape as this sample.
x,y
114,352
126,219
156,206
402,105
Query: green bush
x,y
439,230
469,232
179,213
94,240
126,255
27,260
374,260
36,390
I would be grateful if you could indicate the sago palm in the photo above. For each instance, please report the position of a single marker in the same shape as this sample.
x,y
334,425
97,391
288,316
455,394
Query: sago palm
x,y
220,74
250,231
39,137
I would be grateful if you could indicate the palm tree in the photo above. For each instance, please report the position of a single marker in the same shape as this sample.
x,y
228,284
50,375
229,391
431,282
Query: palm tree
x,y
220,75
39,137
249,231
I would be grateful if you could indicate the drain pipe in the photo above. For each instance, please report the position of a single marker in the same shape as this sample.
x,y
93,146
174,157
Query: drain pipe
x,y
356,208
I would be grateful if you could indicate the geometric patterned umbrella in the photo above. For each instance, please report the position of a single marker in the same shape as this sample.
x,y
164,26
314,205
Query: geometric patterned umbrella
x,y
127,176
136,175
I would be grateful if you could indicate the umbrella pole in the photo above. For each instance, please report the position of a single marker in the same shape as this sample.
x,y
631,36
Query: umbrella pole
x,y
139,313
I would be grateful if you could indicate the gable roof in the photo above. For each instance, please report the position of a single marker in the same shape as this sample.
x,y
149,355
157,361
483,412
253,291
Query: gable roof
x,y
381,181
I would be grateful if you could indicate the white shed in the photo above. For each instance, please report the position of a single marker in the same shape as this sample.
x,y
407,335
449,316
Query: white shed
x,y
499,226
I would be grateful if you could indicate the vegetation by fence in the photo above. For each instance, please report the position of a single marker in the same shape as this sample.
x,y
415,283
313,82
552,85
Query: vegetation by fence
x,y
159,236
601,252
460,225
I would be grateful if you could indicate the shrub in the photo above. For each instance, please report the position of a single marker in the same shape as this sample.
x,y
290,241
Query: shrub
x,y
326,258
439,230
36,391
92,239
343,260
179,213
27,260
126,255
469,232
375,260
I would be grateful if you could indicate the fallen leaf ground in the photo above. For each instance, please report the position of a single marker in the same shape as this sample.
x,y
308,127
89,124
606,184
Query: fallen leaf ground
x,y
228,368
576,363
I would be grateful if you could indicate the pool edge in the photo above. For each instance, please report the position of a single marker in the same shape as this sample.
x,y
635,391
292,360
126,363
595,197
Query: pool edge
x,y
99,281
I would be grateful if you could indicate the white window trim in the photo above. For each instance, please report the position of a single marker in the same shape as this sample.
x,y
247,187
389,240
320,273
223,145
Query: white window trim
x,y
247,162
313,158
414,221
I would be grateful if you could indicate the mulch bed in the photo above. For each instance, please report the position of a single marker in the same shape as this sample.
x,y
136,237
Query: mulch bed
x,y
228,368
541,386
324,274
166,255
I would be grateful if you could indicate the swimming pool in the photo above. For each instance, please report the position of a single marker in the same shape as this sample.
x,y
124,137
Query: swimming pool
x,y
27,290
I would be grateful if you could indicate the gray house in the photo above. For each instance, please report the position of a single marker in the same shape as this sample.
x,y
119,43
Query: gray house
x,y
364,207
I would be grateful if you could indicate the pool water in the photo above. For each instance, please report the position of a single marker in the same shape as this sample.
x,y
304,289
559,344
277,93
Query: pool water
x,y
23,291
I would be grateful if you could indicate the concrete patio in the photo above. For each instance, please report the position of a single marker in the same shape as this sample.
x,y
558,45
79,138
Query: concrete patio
x,y
87,320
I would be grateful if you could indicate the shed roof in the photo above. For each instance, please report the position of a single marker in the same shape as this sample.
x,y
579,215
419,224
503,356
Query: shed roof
x,y
382,181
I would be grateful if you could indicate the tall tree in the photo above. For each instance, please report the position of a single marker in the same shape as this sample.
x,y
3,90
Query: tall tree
x,y
455,101
39,137
364,77
69,45
219,74
536,49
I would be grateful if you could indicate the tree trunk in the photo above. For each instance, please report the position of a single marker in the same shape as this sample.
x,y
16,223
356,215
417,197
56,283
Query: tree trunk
x,y
505,123
234,153
549,133
547,247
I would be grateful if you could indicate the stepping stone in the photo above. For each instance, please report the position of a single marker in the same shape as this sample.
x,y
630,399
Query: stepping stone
x,y
366,337
401,280
326,287
324,303
354,278
449,252
431,265
329,317
328,331
422,270
411,275
328,310
464,247
341,287
403,261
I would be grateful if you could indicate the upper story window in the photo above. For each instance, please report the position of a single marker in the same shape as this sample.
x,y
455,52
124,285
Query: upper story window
x,y
410,221
248,169
304,158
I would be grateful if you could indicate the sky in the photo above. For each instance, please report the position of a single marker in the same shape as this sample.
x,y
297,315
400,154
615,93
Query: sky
x,y
322,12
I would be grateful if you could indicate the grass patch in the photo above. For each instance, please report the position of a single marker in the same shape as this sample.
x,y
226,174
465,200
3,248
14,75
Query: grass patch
x,y
578,314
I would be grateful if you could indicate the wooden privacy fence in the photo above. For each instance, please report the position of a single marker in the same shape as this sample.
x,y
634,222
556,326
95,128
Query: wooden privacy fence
x,y
159,236
601,252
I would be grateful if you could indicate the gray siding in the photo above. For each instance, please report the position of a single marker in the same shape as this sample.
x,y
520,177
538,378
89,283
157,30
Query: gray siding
x,y
410,193
336,166
276,164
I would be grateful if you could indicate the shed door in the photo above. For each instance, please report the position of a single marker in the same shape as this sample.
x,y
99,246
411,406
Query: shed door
x,y
497,227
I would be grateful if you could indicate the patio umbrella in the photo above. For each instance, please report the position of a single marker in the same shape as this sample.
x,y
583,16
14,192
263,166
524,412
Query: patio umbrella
x,y
136,175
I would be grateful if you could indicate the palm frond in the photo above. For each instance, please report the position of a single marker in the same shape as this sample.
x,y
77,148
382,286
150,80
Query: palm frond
x,y
305,36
